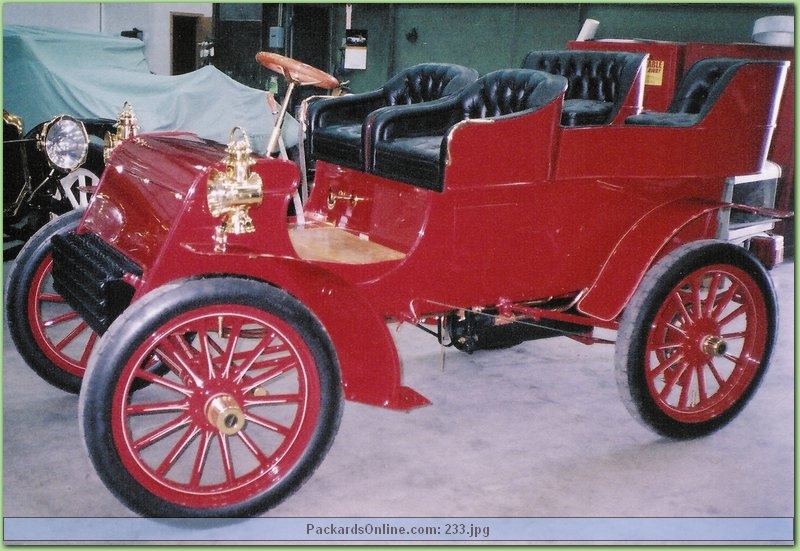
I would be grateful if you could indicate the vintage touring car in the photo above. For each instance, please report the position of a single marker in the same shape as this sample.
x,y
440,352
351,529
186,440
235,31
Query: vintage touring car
x,y
213,337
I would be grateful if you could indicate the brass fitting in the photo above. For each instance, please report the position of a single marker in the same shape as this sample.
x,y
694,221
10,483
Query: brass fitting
x,y
231,193
127,126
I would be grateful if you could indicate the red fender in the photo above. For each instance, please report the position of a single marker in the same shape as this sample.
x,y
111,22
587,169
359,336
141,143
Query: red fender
x,y
639,248
371,369
368,358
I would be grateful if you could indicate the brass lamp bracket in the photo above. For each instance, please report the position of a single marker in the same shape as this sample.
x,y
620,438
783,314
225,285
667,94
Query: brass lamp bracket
x,y
127,126
231,193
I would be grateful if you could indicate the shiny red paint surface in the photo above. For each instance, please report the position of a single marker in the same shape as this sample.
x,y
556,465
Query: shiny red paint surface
x,y
529,211
732,139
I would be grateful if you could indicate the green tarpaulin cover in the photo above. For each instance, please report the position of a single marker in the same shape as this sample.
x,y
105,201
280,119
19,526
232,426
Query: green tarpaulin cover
x,y
49,72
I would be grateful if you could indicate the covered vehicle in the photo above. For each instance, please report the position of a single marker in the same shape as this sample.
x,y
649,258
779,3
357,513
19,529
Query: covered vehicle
x,y
49,72
213,339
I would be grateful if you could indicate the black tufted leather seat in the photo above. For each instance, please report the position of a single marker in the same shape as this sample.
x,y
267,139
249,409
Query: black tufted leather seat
x,y
410,145
335,125
598,81
699,89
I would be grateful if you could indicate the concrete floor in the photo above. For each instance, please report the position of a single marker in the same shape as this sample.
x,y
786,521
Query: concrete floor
x,y
537,430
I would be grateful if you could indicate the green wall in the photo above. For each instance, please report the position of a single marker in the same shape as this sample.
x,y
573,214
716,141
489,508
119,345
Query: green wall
x,y
489,36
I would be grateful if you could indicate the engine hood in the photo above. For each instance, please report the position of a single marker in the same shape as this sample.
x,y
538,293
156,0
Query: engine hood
x,y
154,188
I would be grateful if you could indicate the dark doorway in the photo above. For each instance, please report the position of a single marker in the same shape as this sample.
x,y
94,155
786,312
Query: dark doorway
x,y
241,30
184,43
310,39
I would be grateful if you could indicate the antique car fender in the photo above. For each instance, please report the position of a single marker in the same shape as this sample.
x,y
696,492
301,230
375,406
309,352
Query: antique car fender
x,y
646,241
368,358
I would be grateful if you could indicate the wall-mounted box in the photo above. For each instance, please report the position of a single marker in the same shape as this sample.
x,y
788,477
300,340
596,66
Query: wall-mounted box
x,y
276,37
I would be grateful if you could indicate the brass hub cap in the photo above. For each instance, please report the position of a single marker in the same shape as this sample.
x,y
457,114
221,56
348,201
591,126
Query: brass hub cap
x,y
224,413
714,346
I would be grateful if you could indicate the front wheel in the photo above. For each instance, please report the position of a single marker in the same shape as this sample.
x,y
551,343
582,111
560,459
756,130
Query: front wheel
x,y
49,335
696,339
248,406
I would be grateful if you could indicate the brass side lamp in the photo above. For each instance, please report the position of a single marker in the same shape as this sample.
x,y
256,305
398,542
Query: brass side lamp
x,y
127,126
231,193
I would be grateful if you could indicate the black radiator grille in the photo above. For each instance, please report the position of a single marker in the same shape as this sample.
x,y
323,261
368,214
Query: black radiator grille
x,y
88,273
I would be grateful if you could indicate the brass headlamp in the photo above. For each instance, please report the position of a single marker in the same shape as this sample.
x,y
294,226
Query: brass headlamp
x,y
231,193
127,126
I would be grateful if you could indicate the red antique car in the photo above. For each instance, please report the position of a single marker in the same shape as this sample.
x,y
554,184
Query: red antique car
x,y
213,337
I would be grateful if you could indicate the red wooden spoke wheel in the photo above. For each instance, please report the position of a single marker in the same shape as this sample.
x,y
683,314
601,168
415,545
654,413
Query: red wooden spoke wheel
x,y
245,409
59,331
50,336
696,339
297,71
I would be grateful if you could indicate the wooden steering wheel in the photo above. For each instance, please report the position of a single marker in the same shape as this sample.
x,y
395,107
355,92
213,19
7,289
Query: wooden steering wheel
x,y
297,71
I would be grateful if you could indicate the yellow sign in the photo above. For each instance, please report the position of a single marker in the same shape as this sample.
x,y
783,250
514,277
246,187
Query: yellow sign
x,y
655,73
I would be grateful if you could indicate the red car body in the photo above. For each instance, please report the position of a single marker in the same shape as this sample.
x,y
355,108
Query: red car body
x,y
588,210
619,226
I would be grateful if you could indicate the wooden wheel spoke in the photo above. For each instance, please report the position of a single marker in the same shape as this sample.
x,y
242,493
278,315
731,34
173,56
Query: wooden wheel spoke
x,y
740,311
671,379
200,459
685,315
176,357
50,297
274,399
235,330
253,447
713,288
87,351
63,318
227,458
284,366
724,300
715,372
176,451
71,336
701,383
250,362
162,432
670,362
153,378
697,298
267,424
157,407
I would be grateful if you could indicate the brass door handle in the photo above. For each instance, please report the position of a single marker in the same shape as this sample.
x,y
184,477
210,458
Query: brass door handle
x,y
343,196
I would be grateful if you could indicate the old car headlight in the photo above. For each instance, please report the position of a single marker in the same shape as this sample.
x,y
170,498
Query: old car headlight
x,y
65,143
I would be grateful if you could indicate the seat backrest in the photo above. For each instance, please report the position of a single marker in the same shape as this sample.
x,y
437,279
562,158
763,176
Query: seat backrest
x,y
510,91
592,75
702,84
427,82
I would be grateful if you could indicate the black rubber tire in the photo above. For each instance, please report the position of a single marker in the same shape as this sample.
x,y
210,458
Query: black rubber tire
x,y
639,320
20,278
132,329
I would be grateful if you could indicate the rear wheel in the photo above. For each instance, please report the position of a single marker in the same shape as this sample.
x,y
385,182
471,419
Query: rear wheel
x,y
696,339
248,406
49,335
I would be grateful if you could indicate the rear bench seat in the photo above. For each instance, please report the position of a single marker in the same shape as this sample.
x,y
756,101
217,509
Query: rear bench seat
x,y
600,83
699,89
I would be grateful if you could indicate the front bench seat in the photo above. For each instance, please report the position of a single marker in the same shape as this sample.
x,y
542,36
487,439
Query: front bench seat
x,y
410,144
336,125
699,89
599,82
